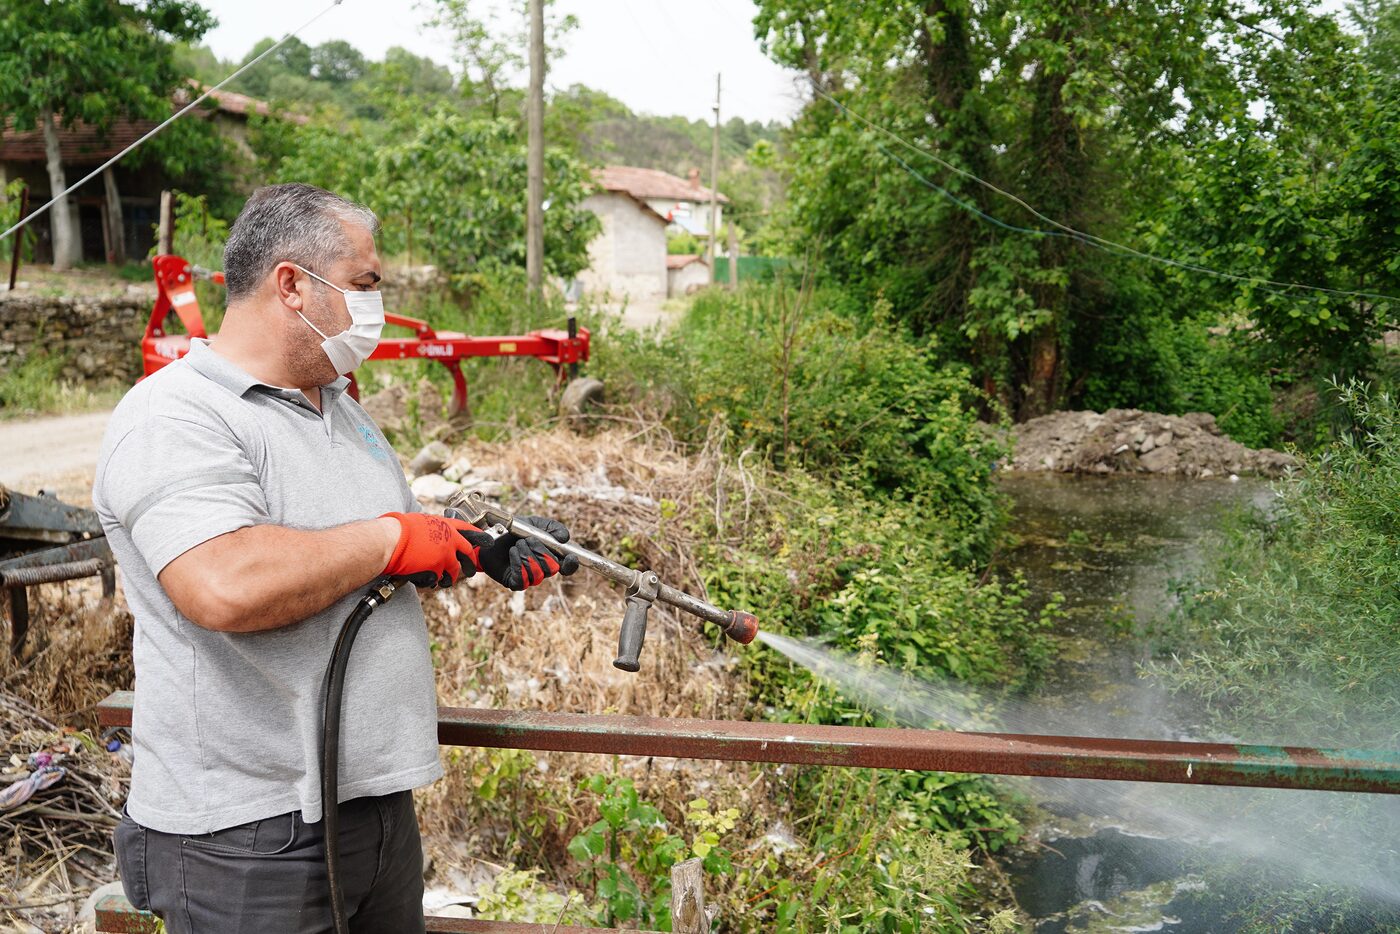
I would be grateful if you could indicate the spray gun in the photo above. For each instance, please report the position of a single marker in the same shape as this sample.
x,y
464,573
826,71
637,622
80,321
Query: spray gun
x,y
643,587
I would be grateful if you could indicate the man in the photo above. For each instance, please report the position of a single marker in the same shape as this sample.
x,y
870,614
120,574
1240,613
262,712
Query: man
x,y
239,488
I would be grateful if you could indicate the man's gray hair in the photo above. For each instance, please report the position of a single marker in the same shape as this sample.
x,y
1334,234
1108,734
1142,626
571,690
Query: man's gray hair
x,y
295,223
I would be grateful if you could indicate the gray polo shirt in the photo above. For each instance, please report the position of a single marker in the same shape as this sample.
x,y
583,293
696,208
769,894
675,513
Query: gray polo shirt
x,y
227,726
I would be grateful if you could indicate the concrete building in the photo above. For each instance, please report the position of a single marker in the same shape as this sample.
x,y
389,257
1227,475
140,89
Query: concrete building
x,y
685,273
628,259
638,207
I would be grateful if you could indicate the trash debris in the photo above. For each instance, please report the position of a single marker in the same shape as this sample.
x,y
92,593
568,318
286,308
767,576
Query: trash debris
x,y
60,796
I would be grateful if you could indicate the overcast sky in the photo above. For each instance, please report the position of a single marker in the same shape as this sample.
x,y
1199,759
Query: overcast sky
x,y
656,56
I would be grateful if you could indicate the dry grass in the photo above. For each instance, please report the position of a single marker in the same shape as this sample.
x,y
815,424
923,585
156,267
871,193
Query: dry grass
x,y
557,654
58,845
78,651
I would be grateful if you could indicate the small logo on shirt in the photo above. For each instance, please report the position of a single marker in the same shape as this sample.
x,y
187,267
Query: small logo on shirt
x,y
376,450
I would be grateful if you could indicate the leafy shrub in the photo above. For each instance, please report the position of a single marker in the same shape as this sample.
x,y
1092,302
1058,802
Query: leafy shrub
x,y
10,201
845,397
871,575
870,866
1298,615
519,895
628,853
684,243
1152,362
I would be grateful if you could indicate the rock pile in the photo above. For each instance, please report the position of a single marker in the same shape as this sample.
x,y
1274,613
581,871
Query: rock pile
x,y
1132,441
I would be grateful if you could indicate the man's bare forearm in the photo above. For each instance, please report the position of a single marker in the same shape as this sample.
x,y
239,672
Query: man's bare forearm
x,y
268,576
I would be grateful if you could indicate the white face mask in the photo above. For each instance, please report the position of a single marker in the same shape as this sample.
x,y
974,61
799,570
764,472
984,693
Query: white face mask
x,y
351,347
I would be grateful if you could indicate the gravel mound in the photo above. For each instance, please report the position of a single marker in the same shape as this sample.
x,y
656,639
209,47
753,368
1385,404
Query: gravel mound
x,y
1133,441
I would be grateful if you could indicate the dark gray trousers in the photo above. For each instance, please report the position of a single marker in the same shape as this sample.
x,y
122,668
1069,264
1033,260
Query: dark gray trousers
x,y
269,876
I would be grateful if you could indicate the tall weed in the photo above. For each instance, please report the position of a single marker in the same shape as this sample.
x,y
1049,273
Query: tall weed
x,y
37,387
1297,620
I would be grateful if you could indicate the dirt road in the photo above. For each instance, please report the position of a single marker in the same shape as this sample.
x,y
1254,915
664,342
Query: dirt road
x,y
57,452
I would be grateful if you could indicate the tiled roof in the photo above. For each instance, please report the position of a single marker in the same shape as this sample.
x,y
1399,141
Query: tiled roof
x,y
82,143
651,183
227,101
78,145
682,260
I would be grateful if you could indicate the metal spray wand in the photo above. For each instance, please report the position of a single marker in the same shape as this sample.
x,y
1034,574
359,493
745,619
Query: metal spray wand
x,y
643,587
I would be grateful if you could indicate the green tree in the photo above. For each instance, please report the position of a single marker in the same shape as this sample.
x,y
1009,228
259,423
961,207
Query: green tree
x,y
491,46
337,61
447,186
1301,190
89,60
407,74
1378,22
457,182
1091,112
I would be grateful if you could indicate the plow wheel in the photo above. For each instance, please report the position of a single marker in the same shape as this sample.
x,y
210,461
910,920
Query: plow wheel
x,y
582,398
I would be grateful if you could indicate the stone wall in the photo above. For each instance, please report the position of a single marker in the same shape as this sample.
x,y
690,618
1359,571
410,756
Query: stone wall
x,y
99,336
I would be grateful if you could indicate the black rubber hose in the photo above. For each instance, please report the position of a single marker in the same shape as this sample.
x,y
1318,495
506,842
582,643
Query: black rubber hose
x,y
330,742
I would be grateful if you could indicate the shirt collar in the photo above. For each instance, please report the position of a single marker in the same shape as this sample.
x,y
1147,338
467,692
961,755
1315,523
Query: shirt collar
x,y
210,365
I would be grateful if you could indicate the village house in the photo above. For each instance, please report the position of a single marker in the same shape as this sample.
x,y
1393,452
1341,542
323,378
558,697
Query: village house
x,y
685,273
115,213
638,207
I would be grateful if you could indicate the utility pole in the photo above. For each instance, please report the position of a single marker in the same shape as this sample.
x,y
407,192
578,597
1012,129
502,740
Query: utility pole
x,y
714,183
534,193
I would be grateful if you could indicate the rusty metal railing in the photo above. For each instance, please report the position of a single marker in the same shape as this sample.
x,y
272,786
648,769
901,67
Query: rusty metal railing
x,y
1137,760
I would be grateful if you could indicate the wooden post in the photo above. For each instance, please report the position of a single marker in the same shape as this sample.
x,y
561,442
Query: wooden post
x,y
167,225
106,224
688,915
733,257
116,249
19,235
534,162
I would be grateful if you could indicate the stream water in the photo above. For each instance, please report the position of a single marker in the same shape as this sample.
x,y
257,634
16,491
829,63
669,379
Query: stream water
x,y
1107,856
1140,856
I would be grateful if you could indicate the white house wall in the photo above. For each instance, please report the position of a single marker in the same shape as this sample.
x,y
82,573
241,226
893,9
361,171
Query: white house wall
x,y
699,221
629,257
688,278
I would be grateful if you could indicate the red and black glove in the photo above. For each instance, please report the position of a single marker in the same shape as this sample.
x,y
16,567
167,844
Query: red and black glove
x,y
433,551
517,563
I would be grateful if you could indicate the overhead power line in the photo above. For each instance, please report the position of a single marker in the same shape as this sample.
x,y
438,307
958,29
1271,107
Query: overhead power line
x,y
173,117
1064,230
